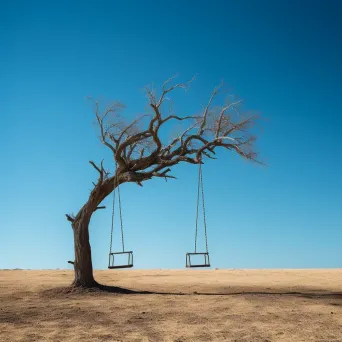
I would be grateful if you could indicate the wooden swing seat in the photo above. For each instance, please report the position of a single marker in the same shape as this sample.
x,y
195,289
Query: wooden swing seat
x,y
191,265
111,264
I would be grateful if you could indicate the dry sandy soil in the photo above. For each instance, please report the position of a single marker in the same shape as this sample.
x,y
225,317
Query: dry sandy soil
x,y
184,305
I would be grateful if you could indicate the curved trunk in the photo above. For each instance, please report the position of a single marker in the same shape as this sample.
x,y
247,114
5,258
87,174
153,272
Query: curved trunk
x,y
80,225
83,263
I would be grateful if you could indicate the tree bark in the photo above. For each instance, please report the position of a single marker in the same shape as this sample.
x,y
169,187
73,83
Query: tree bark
x,y
83,263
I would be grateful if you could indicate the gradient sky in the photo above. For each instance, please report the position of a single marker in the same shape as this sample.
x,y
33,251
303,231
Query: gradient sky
x,y
283,58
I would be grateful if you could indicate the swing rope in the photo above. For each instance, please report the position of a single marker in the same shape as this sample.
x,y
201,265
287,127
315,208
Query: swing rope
x,y
116,185
200,187
121,225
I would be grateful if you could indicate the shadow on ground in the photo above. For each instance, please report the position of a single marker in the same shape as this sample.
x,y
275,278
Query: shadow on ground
x,y
106,289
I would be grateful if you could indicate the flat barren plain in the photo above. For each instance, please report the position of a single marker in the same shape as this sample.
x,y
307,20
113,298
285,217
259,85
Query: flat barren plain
x,y
173,305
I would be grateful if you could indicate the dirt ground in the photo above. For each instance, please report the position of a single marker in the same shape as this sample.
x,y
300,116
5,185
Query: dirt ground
x,y
182,305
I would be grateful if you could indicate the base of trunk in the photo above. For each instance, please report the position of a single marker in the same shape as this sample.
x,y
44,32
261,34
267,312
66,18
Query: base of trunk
x,y
77,287
85,284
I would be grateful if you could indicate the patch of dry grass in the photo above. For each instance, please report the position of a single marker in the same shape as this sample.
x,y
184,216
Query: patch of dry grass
x,y
189,305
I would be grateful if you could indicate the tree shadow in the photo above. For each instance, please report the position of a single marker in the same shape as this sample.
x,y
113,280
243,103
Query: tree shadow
x,y
121,290
100,289
304,294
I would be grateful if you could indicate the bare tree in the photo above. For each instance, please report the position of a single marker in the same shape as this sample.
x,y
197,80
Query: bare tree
x,y
140,152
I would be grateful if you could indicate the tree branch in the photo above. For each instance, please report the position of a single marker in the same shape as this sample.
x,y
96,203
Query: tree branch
x,y
100,207
205,113
179,85
163,174
70,218
99,170
100,122
178,118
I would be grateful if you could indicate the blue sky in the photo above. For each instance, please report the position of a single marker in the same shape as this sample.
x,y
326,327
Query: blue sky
x,y
283,58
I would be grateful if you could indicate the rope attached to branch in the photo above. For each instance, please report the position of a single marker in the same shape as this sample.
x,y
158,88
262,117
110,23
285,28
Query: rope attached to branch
x,y
200,190
116,188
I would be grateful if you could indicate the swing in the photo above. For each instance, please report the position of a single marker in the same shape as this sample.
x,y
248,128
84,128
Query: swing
x,y
206,260
111,262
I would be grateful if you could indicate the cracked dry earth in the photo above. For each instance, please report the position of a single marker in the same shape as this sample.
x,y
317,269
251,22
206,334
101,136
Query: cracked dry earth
x,y
182,305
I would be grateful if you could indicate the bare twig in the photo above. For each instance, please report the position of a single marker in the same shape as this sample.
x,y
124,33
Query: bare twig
x,y
206,109
224,109
99,169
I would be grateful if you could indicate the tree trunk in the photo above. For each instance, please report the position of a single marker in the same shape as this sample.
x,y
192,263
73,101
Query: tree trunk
x,y
83,264
80,225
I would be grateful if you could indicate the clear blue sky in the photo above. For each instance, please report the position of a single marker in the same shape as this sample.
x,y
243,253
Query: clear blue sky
x,y
283,58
